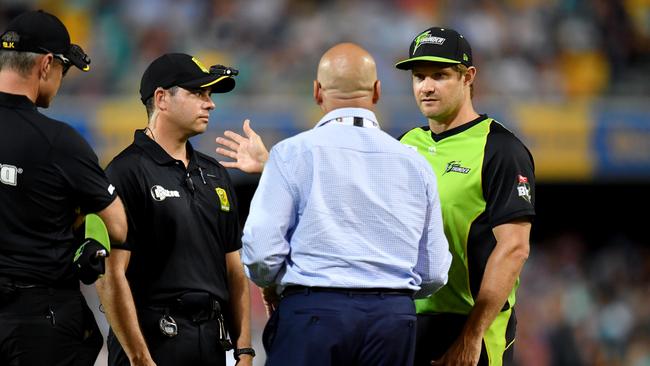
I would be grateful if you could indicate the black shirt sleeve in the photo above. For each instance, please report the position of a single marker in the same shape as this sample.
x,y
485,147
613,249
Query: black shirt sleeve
x,y
508,177
79,166
130,190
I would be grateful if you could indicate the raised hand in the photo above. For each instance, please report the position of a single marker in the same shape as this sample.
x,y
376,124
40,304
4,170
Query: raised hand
x,y
249,152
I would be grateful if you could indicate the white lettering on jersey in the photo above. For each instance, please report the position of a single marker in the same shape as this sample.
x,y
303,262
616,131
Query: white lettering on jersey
x,y
159,193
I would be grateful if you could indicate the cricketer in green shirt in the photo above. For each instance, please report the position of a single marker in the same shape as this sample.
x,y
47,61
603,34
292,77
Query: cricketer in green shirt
x,y
485,178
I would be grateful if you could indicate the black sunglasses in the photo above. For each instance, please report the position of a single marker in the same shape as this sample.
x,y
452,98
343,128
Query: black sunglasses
x,y
65,62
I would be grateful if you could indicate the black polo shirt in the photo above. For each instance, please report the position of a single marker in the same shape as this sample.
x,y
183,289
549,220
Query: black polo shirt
x,y
47,171
182,221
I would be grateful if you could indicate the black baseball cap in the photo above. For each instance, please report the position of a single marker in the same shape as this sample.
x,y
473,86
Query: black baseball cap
x,y
41,32
436,44
180,69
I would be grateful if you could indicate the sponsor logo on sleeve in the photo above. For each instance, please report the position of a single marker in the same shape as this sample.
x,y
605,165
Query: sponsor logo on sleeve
x,y
9,174
523,188
160,194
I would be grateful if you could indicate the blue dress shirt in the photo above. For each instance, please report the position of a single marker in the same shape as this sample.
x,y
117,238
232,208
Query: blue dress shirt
x,y
345,205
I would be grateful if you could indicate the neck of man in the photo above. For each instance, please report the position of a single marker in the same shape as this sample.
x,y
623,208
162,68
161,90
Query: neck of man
x,y
464,114
349,100
13,82
172,141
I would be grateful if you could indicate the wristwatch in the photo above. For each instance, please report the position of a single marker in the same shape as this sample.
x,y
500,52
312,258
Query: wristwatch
x,y
243,351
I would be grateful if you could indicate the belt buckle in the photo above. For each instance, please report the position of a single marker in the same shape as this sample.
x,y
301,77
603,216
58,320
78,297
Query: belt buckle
x,y
168,326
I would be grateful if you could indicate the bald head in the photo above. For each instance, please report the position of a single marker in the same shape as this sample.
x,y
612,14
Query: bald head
x,y
347,77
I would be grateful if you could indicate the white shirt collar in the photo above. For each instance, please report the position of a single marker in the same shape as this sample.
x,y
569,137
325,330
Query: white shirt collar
x,y
348,112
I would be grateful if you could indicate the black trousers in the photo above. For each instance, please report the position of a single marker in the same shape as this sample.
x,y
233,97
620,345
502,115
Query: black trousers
x,y
41,326
197,342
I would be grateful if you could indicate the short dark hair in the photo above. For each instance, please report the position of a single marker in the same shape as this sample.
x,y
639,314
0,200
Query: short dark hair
x,y
149,104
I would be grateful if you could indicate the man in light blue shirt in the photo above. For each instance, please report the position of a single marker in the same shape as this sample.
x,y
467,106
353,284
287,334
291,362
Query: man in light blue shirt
x,y
346,225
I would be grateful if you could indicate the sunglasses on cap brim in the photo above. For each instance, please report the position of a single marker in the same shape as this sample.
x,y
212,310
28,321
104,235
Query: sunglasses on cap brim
x,y
223,70
66,62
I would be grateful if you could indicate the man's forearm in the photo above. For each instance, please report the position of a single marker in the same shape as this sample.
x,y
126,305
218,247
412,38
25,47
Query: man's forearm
x,y
501,273
239,302
115,296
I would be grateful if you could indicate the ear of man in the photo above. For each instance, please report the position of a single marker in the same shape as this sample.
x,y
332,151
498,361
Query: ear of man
x,y
45,66
318,96
470,75
376,92
160,99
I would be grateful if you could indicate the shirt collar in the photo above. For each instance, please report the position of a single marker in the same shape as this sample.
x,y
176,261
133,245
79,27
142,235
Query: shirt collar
x,y
157,153
16,101
348,112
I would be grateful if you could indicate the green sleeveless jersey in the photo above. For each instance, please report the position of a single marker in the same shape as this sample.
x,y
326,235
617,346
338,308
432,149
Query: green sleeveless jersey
x,y
485,179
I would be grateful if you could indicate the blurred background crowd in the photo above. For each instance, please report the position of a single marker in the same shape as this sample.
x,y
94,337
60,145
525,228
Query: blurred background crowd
x,y
570,77
532,48
585,306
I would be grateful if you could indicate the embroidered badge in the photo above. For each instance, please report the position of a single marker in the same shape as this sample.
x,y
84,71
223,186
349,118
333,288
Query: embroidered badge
x,y
223,199
455,167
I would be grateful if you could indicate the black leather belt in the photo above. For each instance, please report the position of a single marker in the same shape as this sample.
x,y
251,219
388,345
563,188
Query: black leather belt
x,y
294,289
195,305
23,285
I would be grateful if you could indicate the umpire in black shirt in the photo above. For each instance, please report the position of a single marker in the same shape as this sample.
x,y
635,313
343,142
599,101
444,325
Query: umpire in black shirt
x,y
168,289
48,173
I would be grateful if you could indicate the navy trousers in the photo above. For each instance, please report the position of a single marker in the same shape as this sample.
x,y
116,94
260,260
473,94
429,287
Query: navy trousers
x,y
342,329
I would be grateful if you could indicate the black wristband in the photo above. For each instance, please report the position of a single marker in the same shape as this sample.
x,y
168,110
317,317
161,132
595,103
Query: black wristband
x,y
243,351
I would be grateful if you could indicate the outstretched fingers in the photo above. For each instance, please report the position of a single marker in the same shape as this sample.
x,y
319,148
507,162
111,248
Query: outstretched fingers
x,y
227,143
228,153
229,164
247,128
235,136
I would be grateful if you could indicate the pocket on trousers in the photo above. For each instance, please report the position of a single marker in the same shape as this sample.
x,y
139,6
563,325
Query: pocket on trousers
x,y
270,329
316,311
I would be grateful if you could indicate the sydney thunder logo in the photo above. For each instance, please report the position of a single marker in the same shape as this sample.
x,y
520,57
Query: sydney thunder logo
x,y
455,167
426,37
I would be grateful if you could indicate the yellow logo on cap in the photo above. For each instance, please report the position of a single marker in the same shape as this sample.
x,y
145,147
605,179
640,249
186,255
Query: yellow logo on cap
x,y
223,198
6,44
200,65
